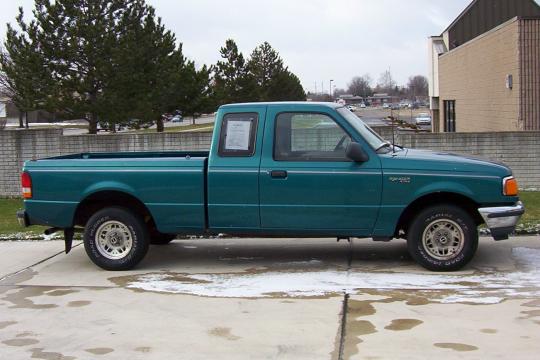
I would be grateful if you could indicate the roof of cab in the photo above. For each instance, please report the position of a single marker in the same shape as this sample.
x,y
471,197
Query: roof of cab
x,y
284,103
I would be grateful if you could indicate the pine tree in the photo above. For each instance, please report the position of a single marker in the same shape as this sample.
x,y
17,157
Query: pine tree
x,y
107,60
232,81
193,89
275,82
22,72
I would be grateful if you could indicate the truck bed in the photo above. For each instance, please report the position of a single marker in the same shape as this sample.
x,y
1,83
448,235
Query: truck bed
x,y
134,155
170,184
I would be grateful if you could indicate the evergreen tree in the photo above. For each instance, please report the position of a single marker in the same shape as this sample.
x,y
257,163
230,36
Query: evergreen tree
x,y
22,73
108,60
275,82
193,90
232,81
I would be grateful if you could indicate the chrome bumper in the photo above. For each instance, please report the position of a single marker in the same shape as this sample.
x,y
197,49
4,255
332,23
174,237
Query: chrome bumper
x,y
502,220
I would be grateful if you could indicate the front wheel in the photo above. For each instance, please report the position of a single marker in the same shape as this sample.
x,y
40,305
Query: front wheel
x,y
442,238
116,239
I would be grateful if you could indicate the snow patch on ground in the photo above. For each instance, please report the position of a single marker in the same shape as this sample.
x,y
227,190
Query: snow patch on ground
x,y
481,287
31,236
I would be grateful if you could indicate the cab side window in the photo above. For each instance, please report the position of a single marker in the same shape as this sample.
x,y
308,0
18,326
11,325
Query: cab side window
x,y
309,137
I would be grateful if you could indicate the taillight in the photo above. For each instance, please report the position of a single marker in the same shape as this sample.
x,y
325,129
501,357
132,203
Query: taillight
x,y
26,182
510,186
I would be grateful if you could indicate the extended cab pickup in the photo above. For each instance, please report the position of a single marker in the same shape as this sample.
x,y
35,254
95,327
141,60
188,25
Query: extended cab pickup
x,y
275,169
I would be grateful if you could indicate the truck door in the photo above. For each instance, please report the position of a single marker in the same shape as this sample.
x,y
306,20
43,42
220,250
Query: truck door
x,y
307,183
233,170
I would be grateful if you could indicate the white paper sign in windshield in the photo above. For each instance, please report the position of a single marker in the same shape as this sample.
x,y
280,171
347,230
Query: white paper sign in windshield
x,y
2,110
238,133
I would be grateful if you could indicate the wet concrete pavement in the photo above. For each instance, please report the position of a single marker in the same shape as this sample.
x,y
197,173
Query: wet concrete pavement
x,y
269,299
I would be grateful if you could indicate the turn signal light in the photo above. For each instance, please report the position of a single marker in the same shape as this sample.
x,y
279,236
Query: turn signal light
x,y
26,182
510,186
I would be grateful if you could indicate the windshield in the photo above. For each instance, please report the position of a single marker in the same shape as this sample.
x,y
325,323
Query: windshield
x,y
374,139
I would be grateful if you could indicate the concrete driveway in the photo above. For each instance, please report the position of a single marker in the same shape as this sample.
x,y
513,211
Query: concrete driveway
x,y
269,299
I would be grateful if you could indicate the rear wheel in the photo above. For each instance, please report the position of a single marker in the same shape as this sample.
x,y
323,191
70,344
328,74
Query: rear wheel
x,y
442,238
116,239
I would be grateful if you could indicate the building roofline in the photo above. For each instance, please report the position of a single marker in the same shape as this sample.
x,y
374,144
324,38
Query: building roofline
x,y
467,10
461,14
495,29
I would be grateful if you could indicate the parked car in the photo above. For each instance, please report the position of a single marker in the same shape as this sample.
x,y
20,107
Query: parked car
x,y
352,108
395,107
270,172
362,106
386,106
177,119
423,119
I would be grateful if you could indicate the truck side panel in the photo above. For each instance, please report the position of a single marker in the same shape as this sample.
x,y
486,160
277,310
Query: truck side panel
x,y
171,189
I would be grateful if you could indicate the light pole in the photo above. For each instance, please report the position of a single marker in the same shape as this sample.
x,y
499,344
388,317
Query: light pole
x,y
331,97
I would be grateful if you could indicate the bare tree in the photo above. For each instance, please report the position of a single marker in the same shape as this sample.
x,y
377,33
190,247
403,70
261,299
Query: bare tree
x,y
386,82
361,86
417,86
338,92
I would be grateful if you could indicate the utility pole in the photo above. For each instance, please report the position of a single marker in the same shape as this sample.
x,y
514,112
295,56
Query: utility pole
x,y
331,96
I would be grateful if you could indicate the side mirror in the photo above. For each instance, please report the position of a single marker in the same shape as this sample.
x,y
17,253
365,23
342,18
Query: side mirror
x,y
356,152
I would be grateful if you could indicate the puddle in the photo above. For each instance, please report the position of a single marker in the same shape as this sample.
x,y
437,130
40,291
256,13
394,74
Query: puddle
x,y
79,303
354,329
223,332
20,299
26,334
489,331
143,349
456,346
99,351
61,292
403,324
5,324
20,342
38,353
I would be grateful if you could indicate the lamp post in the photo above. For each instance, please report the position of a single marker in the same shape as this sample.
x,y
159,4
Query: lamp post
x,y
331,81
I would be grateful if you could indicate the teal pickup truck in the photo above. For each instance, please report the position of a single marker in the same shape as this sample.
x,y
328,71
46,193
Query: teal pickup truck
x,y
294,169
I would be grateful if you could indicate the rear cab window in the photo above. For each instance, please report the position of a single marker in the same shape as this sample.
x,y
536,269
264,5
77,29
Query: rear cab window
x,y
237,136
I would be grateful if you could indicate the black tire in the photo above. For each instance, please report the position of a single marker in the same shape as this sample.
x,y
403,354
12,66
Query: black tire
x,y
161,239
131,226
442,238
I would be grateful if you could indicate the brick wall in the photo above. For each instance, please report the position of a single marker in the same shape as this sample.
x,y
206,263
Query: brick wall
x,y
519,150
17,146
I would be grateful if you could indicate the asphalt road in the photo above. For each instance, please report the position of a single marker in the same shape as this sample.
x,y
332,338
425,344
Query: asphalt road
x,y
269,299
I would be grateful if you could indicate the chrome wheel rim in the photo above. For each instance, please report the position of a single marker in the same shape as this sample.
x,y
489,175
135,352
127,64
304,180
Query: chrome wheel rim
x,y
443,239
114,240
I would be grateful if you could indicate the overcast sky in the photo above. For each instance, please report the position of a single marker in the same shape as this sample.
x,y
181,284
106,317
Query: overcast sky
x,y
318,39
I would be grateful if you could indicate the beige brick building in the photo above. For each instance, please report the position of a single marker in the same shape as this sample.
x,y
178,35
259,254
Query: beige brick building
x,y
485,69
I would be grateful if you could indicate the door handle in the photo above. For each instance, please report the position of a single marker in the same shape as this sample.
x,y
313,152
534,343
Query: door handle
x,y
278,174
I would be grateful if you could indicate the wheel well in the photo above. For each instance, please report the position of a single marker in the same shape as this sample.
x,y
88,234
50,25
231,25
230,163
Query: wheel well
x,y
461,201
100,200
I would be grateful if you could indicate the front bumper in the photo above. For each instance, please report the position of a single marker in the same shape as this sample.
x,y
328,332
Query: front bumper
x,y
502,220
23,219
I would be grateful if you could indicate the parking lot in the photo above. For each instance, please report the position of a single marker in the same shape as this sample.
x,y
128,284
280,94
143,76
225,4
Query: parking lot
x,y
269,299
